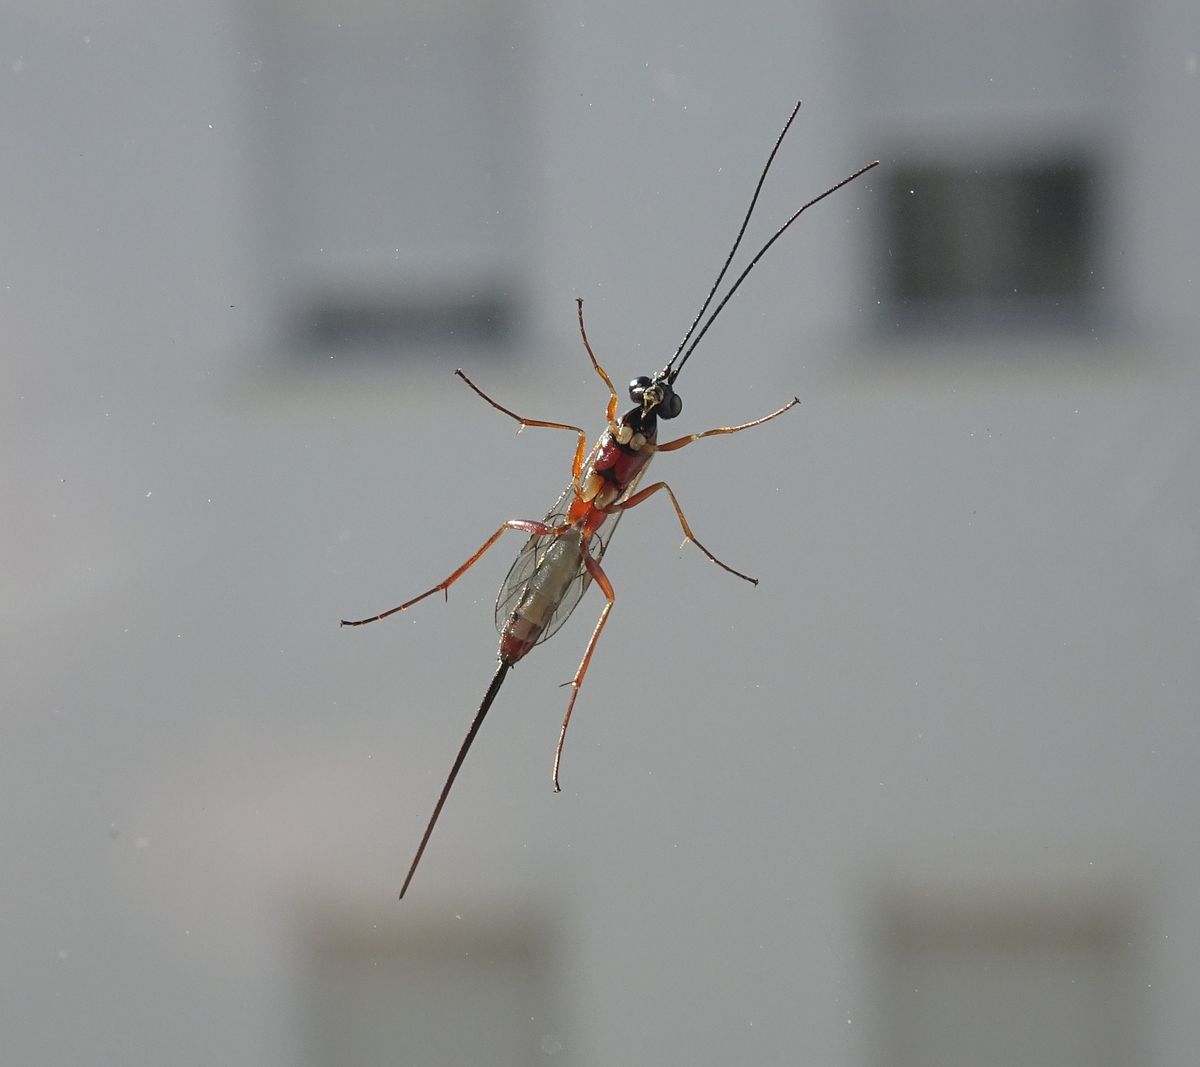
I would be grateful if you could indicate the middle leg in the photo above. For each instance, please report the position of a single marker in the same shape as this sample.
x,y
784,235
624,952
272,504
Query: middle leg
x,y
580,448
650,490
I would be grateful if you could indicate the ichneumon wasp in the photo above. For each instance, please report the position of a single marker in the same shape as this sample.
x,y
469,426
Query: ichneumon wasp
x,y
563,554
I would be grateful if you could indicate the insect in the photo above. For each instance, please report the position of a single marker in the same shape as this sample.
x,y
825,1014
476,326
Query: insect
x,y
563,554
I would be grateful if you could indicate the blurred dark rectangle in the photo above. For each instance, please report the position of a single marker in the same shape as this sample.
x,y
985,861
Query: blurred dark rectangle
x,y
381,322
991,245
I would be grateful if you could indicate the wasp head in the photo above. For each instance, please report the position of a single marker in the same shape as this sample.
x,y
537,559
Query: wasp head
x,y
656,396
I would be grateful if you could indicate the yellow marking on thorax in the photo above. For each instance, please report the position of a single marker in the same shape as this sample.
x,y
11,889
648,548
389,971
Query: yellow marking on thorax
x,y
597,490
592,484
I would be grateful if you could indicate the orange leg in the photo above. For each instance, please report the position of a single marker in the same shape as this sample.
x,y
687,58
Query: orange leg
x,y
680,442
642,494
601,579
536,529
613,401
580,449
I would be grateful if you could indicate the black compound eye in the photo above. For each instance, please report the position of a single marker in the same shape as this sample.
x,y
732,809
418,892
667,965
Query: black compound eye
x,y
638,387
671,406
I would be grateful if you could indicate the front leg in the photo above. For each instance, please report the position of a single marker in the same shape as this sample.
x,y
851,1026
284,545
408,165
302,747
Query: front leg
x,y
680,442
613,400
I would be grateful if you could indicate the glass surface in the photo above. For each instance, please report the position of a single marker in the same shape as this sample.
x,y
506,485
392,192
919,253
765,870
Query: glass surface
x,y
244,249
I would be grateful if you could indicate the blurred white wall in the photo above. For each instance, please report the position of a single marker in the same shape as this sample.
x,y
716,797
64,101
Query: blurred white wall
x,y
926,795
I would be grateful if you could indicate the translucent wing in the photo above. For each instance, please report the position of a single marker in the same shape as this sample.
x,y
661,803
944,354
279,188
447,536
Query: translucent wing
x,y
533,556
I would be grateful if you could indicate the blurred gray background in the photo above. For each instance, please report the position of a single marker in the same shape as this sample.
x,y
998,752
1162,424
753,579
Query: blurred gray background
x,y
927,796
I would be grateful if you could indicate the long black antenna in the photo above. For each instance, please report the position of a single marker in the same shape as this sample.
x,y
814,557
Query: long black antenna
x,y
488,697
738,239
674,373
671,370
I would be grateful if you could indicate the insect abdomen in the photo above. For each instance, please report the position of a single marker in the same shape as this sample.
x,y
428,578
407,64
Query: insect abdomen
x,y
542,593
